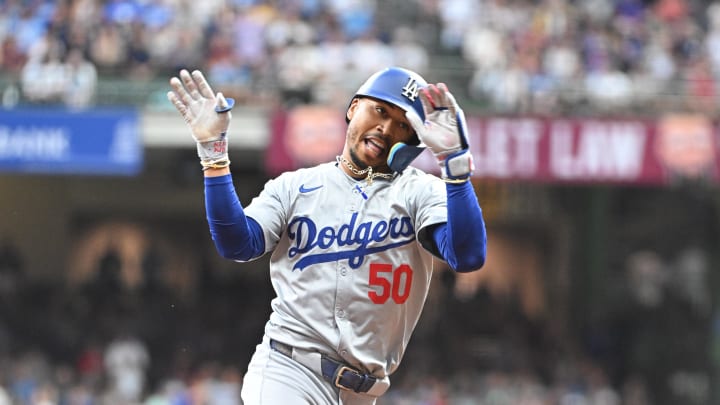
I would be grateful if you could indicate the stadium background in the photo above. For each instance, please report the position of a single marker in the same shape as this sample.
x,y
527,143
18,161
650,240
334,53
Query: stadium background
x,y
601,282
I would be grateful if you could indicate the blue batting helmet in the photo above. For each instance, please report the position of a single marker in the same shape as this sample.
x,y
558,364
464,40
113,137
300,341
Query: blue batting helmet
x,y
396,86
400,87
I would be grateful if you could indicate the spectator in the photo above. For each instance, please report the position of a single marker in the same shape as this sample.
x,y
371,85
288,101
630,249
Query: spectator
x,y
126,360
80,80
457,18
700,85
139,58
108,50
12,59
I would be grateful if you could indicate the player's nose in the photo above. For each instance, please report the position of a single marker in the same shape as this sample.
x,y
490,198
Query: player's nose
x,y
387,127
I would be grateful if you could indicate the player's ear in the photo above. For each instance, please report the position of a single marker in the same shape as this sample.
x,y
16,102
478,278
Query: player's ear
x,y
351,109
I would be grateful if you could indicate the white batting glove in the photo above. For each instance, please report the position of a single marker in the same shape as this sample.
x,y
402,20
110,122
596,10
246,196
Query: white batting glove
x,y
206,114
444,132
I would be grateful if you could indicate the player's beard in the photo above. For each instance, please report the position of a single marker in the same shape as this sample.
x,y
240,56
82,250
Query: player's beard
x,y
355,159
353,139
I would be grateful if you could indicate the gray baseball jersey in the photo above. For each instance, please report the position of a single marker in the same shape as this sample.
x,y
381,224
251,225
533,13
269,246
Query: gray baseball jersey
x,y
350,274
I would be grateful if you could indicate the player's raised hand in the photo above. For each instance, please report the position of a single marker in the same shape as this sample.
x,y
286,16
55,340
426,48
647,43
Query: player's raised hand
x,y
207,114
444,131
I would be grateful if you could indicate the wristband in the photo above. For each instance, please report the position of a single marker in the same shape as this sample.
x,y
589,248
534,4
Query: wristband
x,y
213,151
215,164
457,166
456,181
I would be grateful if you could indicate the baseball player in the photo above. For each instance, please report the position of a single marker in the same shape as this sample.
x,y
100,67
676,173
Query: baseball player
x,y
351,241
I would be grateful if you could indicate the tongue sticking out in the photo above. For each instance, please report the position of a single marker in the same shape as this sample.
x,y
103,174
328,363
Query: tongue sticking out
x,y
374,148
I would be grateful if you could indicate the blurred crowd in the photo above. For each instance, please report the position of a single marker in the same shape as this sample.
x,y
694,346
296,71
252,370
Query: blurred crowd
x,y
547,56
106,342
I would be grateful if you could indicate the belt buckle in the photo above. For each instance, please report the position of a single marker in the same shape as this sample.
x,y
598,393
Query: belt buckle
x,y
339,376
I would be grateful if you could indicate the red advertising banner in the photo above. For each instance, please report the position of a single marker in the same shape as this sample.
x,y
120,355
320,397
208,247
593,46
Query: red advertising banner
x,y
304,136
580,150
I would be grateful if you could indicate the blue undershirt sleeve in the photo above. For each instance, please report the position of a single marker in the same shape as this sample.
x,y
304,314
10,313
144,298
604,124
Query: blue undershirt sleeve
x,y
462,241
236,236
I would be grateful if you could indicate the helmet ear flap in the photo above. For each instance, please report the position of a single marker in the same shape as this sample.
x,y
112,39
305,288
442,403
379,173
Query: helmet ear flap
x,y
401,155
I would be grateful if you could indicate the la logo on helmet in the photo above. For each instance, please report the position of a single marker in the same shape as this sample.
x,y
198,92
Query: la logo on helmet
x,y
411,90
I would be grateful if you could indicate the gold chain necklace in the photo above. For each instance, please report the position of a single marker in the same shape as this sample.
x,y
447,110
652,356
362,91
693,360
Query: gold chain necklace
x,y
369,170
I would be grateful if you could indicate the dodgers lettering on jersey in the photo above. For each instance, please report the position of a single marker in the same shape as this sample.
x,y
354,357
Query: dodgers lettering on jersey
x,y
358,252
307,239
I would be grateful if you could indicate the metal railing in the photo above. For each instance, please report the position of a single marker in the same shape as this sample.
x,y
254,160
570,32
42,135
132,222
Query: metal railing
x,y
570,99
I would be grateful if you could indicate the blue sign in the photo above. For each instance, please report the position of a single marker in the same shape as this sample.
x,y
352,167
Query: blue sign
x,y
57,141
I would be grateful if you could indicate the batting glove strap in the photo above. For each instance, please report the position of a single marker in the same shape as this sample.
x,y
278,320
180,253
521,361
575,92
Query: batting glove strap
x,y
213,150
458,166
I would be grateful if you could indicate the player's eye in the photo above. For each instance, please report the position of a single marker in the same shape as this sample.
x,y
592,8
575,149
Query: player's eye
x,y
406,129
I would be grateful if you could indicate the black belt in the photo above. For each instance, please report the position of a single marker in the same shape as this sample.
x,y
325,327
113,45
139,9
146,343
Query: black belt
x,y
335,372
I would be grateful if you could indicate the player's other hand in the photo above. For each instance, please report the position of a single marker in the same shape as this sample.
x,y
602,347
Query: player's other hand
x,y
444,131
207,114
